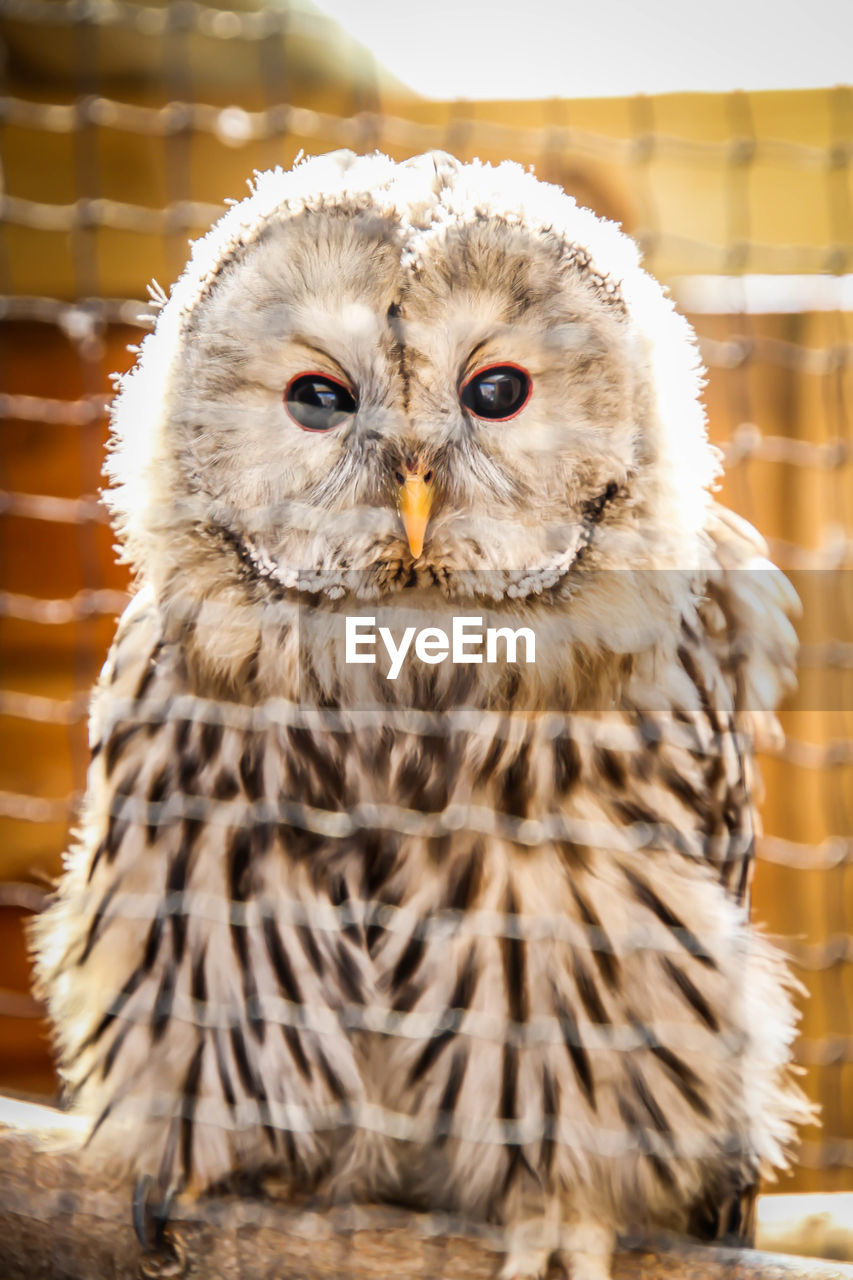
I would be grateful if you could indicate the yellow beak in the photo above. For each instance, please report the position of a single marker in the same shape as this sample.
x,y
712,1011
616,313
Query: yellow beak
x,y
414,497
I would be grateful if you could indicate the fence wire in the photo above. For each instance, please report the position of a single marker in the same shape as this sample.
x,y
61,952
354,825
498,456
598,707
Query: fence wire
x,y
108,165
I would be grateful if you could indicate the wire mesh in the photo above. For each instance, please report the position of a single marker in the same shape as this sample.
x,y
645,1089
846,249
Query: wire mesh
x,y
117,147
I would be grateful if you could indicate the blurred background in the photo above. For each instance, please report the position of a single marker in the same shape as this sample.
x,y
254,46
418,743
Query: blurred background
x,y
723,144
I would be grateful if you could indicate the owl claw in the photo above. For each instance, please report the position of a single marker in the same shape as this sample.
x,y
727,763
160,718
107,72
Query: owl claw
x,y
150,1216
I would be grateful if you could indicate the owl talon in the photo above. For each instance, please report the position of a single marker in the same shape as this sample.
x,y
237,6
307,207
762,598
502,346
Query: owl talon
x,y
150,1216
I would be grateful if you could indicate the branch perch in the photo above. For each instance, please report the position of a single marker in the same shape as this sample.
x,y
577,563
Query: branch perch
x,y
58,1221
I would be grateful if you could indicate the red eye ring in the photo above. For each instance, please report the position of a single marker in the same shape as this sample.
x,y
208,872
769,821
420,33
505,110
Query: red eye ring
x,y
507,367
317,401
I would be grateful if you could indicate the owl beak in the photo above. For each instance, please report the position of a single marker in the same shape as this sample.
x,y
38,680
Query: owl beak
x,y
414,498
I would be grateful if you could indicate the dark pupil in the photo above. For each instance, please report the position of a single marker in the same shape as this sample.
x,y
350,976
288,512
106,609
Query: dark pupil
x,y
318,403
495,393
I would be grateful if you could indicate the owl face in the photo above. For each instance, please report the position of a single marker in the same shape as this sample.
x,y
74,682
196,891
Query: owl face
x,y
376,377
352,414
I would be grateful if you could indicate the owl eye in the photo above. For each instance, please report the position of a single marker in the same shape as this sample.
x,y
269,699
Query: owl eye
x,y
497,393
318,402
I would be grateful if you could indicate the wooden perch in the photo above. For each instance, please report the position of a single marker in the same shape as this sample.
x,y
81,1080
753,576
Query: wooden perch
x,y
59,1222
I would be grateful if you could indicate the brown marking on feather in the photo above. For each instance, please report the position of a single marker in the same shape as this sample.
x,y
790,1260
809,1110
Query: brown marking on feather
x,y
96,858
191,830
690,632
683,1077
117,829
577,856
641,1137
691,993
297,842
297,1053
642,764
162,1010
311,949
114,1049
513,784
508,1107
211,740
612,767
745,876
102,1116
647,1101
97,921
514,963
588,992
740,851
374,936
223,1072
239,856
340,896
460,999
492,759
464,887
685,657
379,865
152,942
252,768
281,963
198,979
157,792
117,742
325,784
331,1077
183,728
439,849
423,779
516,1159
132,983
577,1053
175,885
567,764
408,962
251,1083
379,862
550,1116
715,771
662,1171
263,833
348,974
647,897
450,1096
190,766
686,792
600,945
239,872
408,997
225,786
130,986
148,673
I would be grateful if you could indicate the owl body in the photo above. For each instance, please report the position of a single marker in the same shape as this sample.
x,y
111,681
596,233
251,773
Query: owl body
x,y
476,939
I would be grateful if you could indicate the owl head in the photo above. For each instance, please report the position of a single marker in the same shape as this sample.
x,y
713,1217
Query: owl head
x,y
432,378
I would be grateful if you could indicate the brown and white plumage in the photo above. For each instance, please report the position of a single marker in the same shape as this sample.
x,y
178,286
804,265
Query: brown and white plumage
x,y
476,939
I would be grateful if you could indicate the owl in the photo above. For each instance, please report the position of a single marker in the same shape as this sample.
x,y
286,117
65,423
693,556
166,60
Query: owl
x,y
415,858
